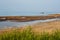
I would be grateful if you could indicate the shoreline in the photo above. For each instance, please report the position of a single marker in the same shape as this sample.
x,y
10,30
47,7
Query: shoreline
x,y
38,27
12,24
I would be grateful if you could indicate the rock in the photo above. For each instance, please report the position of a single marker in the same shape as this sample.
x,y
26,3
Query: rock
x,y
28,18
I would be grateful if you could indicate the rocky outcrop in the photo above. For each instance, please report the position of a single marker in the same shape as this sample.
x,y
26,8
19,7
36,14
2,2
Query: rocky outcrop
x,y
2,19
28,18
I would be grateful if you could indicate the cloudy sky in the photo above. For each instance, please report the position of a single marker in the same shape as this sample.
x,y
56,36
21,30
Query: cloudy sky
x,y
13,6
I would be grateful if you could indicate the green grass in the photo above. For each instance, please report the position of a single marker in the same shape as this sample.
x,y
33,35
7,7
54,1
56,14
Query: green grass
x,y
29,35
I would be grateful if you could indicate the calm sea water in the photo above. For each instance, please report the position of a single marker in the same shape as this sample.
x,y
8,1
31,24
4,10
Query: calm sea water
x,y
5,24
26,13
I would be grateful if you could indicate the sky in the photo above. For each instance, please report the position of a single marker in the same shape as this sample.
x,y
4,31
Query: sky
x,y
14,7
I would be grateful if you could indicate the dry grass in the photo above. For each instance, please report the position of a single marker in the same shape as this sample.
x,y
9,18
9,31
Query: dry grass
x,y
46,31
47,26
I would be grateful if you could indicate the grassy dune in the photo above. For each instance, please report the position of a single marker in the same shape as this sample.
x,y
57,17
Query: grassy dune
x,y
28,34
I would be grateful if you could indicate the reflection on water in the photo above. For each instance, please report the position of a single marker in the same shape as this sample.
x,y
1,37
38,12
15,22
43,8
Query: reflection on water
x,y
18,24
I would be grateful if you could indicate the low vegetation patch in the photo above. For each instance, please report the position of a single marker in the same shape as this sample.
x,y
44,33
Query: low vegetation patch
x,y
27,34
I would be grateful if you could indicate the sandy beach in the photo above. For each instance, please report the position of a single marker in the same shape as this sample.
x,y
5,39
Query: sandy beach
x,y
47,26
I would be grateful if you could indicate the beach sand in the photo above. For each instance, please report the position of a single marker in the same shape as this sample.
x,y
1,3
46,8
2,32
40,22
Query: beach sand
x,y
47,26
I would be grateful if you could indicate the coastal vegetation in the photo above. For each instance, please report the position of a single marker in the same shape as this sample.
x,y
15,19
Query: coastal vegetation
x,y
28,34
